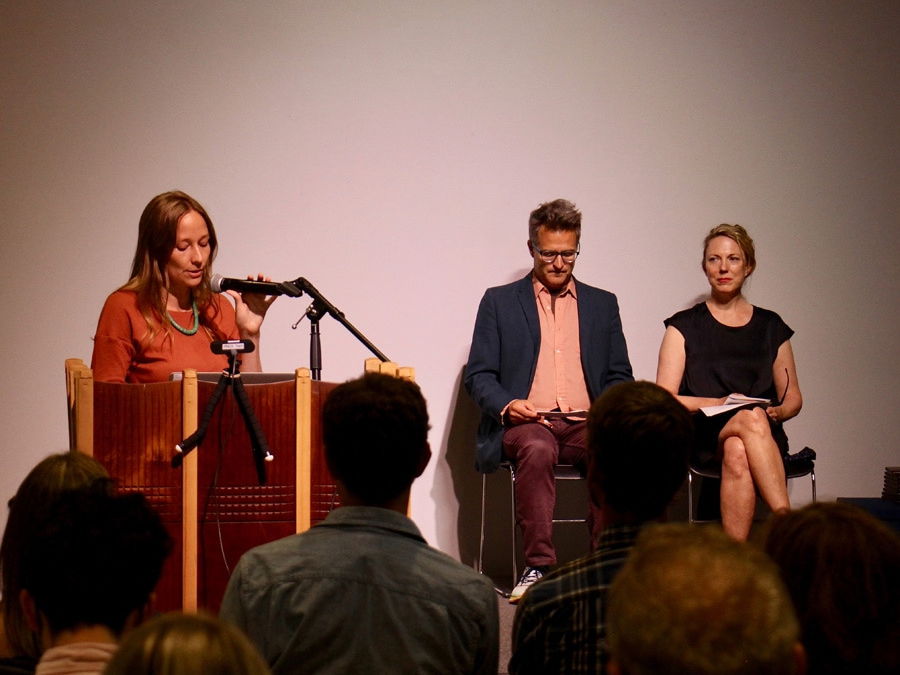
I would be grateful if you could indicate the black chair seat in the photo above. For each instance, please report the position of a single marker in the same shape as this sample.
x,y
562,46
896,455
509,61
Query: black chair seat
x,y
796,465
800,463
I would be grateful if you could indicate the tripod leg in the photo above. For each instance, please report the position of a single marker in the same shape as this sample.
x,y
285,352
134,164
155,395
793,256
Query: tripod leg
x,y
196,438
261,453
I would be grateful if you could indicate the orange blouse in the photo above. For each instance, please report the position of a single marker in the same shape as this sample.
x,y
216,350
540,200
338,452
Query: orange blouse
x,y
118,353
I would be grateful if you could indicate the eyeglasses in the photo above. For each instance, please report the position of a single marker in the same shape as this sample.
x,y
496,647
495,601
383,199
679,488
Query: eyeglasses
x,y
550,256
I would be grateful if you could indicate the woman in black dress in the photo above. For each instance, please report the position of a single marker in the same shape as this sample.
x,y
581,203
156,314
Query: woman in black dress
x,y
726,346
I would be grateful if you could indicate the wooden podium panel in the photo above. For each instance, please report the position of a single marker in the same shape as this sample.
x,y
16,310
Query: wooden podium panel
x,y
323,496
213,505
236,513
136,449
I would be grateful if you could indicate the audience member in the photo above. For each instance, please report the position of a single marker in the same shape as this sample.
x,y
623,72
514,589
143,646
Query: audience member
x,y
87,574
691,600
186,644
362,592
842,569
20,648
639,438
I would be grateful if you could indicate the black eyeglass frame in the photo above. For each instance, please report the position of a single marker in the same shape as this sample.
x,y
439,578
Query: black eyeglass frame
x,y
549,256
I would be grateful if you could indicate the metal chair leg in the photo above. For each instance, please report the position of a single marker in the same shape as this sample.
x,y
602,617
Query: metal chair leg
x,y
480,563
690,499
481,538
512,518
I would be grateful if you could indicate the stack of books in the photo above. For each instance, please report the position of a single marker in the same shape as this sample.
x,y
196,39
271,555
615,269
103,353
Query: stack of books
x,y
891,489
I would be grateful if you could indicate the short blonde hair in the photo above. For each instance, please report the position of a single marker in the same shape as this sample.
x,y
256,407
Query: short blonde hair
x,y
185,644
737,234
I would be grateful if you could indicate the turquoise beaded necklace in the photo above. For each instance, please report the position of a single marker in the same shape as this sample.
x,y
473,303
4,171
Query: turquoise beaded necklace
x,y
187,331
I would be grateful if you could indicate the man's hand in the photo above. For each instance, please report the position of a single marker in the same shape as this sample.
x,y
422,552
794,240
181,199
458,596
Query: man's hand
x,y
520,411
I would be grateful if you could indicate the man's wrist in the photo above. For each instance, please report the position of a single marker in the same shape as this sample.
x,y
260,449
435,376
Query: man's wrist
x,y
504,414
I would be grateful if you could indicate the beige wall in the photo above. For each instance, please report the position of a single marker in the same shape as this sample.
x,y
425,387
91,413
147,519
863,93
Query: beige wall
x,y
390,152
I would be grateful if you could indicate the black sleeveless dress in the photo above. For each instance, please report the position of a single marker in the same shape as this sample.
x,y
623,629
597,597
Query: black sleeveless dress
x,y
721,360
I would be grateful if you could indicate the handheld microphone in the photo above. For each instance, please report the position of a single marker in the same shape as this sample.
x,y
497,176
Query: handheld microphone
x,y
220,284
232,346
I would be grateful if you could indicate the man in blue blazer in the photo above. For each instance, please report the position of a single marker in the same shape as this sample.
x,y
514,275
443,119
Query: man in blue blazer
x,y
543,346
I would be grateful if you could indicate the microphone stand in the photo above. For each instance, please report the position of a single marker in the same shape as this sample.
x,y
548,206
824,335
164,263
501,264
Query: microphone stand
x,y
319,308
231,377
314,313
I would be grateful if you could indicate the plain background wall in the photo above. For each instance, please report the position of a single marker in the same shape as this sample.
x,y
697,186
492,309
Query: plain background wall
x,y
390,152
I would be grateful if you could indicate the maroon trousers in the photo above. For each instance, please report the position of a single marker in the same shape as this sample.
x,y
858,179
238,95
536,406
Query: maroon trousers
x,y
534,449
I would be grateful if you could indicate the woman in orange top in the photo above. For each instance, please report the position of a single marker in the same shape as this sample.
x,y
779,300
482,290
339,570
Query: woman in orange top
x,y
164,319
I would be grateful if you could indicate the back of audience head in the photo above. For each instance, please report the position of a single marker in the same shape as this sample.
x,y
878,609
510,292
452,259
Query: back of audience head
x,y
375,432
53,476
93,562
639,437
841,567
692,600
185,644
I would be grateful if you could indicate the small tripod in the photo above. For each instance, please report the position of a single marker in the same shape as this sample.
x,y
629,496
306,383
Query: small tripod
x,y
231,377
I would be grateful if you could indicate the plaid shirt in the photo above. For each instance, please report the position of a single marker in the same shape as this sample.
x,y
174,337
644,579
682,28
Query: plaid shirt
x,y
560,623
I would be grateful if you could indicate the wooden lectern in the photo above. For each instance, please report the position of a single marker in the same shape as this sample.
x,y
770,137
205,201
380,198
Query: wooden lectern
x,y
213,505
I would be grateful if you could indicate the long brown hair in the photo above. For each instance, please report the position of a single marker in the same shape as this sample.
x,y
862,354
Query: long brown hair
x,y
156,240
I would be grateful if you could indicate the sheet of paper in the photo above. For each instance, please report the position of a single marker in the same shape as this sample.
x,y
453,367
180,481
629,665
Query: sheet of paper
x,y
731,403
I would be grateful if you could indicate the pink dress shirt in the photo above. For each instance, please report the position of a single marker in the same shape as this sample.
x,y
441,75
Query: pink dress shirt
x,y
558,378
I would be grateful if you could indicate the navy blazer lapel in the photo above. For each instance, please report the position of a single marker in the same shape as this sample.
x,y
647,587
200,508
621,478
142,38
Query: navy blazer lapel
x,y
525,294
586,335
584,314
